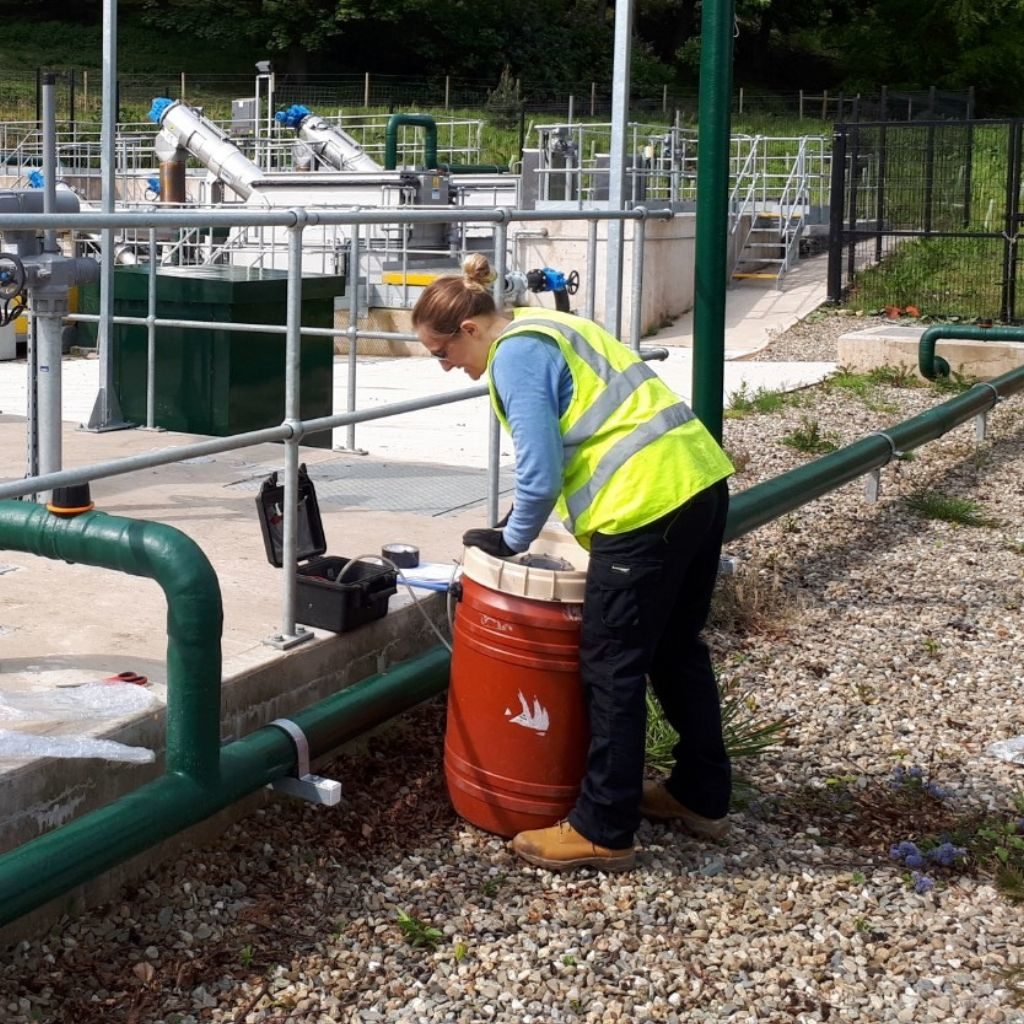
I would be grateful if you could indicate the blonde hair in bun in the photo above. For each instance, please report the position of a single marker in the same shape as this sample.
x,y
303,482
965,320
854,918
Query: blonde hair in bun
x,y
477,270
450,300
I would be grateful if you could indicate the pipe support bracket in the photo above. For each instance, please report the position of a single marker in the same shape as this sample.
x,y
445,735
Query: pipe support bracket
x,y
314,789
894,452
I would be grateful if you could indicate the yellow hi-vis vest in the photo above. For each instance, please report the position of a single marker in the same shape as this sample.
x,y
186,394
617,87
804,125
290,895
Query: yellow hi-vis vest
x,y
634,451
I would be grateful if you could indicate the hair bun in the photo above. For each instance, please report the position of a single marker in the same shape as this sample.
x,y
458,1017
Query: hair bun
x,y
477,270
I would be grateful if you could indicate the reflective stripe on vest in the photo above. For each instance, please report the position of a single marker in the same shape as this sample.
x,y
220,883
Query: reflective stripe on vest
x,y
620,452
594,359
621,387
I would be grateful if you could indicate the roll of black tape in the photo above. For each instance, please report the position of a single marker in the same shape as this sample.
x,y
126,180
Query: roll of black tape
x,y
405,556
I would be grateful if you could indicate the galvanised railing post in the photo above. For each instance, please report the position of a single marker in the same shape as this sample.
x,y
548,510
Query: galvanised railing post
x,y
588,309
493,427
636,299
353,332
151,334
290,635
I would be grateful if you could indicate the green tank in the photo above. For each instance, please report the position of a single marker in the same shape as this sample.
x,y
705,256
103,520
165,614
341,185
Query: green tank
x,y
218,381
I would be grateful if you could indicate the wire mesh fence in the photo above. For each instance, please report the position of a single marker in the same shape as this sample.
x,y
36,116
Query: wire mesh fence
x,y
927,215
78,94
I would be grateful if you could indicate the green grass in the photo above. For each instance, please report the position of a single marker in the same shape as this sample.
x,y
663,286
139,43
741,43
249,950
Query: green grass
x,y
747,730
941,276
418,933
743,402
955,384
808,438
932,505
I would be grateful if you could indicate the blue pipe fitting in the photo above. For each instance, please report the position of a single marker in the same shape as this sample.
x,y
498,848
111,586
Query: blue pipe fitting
x,y
293,116
159,108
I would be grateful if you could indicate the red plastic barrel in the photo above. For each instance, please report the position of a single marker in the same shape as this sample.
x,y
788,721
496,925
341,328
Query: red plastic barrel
x,y
517,735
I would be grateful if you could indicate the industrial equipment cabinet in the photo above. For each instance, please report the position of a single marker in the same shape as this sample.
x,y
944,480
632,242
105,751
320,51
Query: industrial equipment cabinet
x,y
217,381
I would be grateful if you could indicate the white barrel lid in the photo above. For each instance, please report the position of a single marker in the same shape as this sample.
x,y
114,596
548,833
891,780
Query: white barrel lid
x,y
553,568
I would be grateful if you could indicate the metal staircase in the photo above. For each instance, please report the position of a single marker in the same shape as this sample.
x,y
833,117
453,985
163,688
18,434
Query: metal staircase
x,y
776,187
772,244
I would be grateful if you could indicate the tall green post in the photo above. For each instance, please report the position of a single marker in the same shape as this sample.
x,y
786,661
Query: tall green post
x,y
713,132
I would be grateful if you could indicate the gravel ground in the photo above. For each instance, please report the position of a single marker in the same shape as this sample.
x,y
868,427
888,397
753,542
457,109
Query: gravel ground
x,y
891,641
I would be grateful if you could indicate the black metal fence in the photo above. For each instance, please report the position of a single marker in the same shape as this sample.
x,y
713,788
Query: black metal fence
x,y
928,215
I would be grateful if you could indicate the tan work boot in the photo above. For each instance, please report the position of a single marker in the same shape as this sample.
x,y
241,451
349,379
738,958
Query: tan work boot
x,y
562,848
659,804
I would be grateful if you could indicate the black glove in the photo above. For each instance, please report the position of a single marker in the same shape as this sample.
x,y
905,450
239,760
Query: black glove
x,y
490,541
504,522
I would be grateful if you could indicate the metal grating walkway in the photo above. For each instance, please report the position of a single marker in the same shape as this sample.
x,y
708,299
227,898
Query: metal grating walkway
x,y
427,490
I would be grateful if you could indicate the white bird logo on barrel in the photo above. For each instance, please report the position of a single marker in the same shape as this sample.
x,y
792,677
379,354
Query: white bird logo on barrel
x,y
536,719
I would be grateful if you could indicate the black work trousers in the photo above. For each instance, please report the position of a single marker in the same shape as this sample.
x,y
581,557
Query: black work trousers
x,y
648,594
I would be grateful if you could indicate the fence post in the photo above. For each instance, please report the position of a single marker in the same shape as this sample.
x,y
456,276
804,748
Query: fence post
x,y
593,97
741,100
447,90
1010,226
85,93
366,90
824,105
801,104
664,99
39,99
182,96
835,218
883,104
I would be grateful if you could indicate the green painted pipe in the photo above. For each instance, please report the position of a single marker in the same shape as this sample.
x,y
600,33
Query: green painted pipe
x,y
395,121
57,862
932,366
766,501
711,265
194,613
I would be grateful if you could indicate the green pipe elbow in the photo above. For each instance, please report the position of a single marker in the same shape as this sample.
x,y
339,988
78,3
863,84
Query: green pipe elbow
x,y
932,366
194,611
60,860
424,121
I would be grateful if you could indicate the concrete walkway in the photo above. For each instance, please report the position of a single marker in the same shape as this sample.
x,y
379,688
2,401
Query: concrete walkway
x,y
755,311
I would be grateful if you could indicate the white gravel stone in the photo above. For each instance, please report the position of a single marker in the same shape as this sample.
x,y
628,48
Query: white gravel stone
x,y
890,640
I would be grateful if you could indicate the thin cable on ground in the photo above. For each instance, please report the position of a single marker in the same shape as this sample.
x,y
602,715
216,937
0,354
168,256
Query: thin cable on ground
x,y
412,593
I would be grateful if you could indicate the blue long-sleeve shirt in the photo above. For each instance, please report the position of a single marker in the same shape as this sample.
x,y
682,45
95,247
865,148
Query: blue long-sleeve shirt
x,y
535,388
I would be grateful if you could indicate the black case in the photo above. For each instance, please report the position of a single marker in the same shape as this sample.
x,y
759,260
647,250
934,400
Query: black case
x,y
363,593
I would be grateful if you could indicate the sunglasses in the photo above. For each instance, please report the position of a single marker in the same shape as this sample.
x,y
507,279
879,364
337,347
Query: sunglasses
x,y
442,354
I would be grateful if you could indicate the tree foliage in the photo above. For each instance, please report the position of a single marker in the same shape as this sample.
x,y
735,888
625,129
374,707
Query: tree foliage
x,y
563,45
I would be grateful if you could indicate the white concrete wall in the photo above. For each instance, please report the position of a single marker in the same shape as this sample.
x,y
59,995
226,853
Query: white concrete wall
x,y
668,264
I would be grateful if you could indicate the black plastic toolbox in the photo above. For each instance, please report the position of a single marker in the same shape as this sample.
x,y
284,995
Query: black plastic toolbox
x,y
365,587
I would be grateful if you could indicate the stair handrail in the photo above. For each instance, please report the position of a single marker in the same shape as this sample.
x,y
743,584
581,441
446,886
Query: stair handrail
x,y
793,198
747,179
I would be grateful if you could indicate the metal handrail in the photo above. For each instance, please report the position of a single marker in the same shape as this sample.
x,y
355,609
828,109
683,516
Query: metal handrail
x,y
292,430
